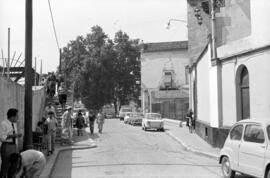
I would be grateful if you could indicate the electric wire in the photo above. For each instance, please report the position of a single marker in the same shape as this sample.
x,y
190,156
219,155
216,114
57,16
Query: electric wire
x,y
53,23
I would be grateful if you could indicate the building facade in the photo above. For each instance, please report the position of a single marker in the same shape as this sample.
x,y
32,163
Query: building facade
x,y
233,86
164,78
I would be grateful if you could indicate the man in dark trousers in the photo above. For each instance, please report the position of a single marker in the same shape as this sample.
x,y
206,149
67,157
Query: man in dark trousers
x,y
8,135
92,118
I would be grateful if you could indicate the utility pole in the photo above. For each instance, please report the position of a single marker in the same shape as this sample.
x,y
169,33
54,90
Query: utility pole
x,y
60,61
27,144
40,72
35,72
8,61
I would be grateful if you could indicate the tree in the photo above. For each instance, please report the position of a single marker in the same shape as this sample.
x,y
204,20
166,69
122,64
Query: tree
x,y
103,71
126,69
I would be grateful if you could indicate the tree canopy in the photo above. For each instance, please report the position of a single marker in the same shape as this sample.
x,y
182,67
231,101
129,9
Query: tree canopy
x,y
101,70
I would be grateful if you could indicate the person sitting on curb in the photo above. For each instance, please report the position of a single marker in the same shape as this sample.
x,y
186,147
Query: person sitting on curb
x,y
29,164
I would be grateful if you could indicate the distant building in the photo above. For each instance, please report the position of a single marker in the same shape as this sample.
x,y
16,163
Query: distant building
x,y
164,78
235,86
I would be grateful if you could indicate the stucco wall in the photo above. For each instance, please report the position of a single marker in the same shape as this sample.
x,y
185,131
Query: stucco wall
x,y
259,87
152,64
39,97
203,90
228,93
12,96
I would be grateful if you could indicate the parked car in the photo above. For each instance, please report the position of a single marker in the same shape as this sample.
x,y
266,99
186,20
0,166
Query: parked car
x,y
126,117
136,118
152,121
122,112
247,149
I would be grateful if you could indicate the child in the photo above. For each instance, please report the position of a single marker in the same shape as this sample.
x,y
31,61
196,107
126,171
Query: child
x,y
29,163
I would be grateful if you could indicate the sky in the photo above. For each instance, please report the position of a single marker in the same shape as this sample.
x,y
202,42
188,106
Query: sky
x,y
143,19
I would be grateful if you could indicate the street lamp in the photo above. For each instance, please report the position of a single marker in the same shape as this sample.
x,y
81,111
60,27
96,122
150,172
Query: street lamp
x,y
177,20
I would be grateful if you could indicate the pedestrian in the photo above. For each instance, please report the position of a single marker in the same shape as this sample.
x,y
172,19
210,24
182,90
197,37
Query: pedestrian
x,y
8,136
45,133
190,120
100,122
92,119
80,124
62,95
28,164
67,122
49,108
52,126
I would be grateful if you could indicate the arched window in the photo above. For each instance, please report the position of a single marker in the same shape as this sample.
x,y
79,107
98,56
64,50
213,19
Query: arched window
x,y
243,101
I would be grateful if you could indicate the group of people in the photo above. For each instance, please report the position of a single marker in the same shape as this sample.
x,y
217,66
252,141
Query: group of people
x,y
80,122
29,163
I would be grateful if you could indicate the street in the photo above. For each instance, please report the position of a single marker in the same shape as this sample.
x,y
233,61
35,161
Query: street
x,y
127,151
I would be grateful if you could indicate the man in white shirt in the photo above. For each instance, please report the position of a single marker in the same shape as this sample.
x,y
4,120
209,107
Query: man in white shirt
x,y
29,163
48,109
8,135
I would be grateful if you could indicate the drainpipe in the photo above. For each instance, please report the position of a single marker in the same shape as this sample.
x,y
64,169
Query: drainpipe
x,y
216,63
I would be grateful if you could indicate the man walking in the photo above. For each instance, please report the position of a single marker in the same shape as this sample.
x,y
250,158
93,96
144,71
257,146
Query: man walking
x,y
100,122
8,135
67,122
92,118
52,126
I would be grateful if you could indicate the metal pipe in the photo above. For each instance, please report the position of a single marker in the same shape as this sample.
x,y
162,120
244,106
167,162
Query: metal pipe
x,y
8,62
213,29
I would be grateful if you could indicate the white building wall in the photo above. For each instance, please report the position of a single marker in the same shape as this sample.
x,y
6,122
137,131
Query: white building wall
x,y
259,85
260,27
229,93
152,64
203,90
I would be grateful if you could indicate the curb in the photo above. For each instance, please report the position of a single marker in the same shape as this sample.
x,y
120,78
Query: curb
x,y
188,148
51,162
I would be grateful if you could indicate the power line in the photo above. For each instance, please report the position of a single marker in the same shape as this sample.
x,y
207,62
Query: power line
x,y
54,29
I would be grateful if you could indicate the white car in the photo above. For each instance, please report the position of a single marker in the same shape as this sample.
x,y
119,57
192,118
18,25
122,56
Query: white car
x,y
126,117
152,121
247,149
123,111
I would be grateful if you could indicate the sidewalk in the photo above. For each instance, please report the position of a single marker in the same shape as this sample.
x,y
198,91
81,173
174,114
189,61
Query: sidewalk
x,y
82,142
190,141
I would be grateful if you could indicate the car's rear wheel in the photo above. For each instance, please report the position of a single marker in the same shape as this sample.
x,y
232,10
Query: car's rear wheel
x,y
226,168
267,173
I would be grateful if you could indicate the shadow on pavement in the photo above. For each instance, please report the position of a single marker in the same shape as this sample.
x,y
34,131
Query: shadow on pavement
x,y
63,170
94,136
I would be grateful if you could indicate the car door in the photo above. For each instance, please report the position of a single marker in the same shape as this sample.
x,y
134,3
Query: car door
x,y
233,143
252,150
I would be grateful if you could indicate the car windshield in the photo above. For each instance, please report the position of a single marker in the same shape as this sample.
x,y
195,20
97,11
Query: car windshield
x,y
137,115
268,131
153,116
126,110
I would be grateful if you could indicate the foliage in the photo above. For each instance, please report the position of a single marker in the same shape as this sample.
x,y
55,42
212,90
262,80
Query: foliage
x,y
102,71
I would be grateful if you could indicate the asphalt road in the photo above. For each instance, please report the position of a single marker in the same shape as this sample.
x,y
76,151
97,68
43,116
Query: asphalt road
x,y
128,151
